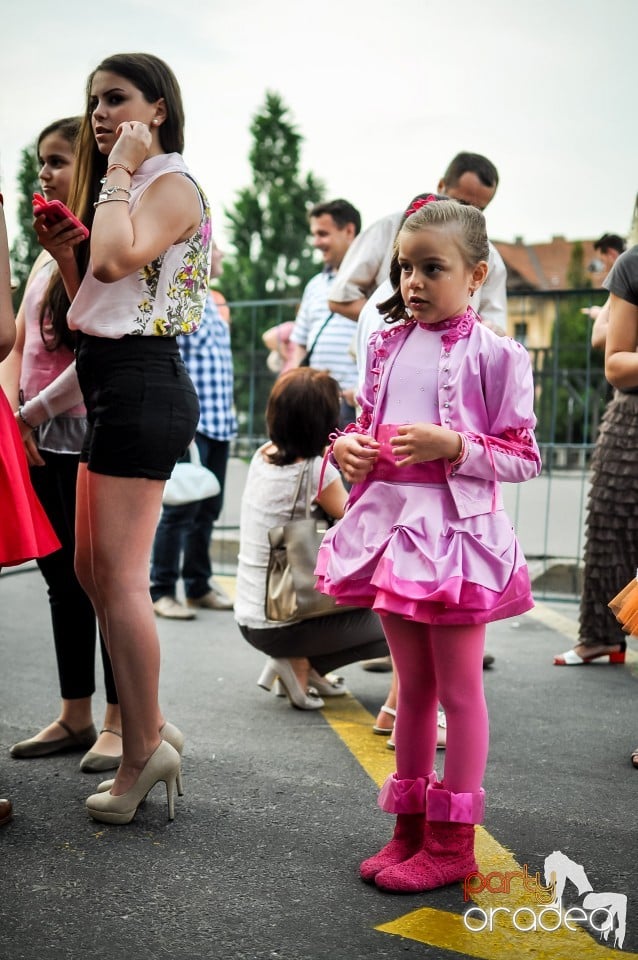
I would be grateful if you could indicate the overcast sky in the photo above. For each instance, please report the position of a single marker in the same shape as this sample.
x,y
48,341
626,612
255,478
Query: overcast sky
x,y
384,94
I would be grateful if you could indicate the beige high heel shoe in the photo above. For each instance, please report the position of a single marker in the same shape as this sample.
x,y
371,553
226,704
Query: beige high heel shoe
x,y
175,737
172,735
163,764
280,667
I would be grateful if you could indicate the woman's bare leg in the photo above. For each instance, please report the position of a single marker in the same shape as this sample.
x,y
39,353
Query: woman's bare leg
x,y
106,743
117,518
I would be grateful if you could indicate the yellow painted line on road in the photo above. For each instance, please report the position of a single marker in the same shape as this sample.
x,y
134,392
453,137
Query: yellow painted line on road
x,y
353,724
448,932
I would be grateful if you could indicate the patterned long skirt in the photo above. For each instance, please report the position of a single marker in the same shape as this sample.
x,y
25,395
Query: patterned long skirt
x,y
611,547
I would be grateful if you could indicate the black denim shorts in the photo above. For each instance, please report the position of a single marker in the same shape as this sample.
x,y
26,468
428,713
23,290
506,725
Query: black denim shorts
x,y
142,408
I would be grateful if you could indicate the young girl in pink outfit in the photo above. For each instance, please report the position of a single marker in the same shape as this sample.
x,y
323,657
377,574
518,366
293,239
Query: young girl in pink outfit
x,y
446,414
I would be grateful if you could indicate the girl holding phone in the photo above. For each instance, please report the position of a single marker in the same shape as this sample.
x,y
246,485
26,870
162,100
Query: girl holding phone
x,y
139,281
51,418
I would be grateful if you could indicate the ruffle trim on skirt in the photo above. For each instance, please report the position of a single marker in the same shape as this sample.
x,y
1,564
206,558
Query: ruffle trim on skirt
x,y
453,601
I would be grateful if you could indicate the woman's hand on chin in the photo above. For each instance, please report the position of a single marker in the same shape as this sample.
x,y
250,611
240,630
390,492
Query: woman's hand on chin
x,y
132,146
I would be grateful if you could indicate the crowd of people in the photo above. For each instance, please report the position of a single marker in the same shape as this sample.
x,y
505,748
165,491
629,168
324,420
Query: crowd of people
x,y
395,384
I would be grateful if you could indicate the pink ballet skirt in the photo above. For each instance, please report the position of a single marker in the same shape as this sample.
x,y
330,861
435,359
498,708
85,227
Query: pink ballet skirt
x,y
400,548
25,531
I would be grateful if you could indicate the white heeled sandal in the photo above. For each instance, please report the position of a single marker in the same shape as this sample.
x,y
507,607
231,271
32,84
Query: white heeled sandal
x,y
385,731
572,659
280,668
319,686
331,685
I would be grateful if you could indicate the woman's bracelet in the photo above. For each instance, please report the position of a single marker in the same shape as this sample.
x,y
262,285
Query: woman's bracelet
x,y
107,191
24,419
118,166
463,453
104,199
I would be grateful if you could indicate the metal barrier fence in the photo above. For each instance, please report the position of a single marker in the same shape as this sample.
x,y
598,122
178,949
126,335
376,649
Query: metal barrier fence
x,y
570,396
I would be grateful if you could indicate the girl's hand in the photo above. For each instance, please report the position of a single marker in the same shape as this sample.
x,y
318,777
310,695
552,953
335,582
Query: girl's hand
x,y
30,446
356,454
58,240
132,144
422,442
33,454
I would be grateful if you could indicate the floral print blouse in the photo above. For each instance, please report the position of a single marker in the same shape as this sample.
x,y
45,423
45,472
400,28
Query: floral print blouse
x,y
166,297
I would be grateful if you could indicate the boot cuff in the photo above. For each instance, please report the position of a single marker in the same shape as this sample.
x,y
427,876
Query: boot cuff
x,y
405,796
455,807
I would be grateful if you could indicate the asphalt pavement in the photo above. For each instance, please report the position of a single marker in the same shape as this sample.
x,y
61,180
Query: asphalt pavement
x,y
261,859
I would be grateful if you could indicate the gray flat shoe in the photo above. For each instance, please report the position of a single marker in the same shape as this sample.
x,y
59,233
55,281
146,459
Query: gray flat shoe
x,y
30,749
94,762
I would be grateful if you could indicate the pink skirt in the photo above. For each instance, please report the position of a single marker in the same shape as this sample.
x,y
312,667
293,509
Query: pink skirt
x,y
25,531
401,548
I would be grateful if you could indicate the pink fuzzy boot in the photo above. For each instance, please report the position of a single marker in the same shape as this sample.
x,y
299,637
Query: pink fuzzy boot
x,y
447,852
406,798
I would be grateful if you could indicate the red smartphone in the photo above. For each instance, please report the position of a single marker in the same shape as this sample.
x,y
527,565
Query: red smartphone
x,y
54,212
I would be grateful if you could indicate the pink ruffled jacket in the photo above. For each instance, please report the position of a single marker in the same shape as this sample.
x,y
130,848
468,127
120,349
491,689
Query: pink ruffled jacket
x,y
485,392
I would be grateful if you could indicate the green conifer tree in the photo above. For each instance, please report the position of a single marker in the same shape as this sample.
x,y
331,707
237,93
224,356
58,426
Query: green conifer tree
x,y
270,257
268,226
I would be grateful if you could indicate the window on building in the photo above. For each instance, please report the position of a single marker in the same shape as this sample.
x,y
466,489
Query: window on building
x,y
520,333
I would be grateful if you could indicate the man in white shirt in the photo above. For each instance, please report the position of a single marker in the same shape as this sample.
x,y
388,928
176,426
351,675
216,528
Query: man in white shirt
x,y
321,337
470,178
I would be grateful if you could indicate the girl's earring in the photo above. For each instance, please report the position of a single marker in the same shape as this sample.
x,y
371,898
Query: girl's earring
x,y
471,292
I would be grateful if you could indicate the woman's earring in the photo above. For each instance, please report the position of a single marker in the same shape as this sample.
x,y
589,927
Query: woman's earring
x,y
471,292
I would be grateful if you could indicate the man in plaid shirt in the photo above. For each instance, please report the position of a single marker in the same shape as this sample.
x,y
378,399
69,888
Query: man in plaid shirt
x,y
184,532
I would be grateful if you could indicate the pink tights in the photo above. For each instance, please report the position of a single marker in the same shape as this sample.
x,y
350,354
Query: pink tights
x,y
439,664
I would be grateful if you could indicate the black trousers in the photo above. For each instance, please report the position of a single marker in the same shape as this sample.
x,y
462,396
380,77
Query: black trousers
x,y
182,540
72,615
328,642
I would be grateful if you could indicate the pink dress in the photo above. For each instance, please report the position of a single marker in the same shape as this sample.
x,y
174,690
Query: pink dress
x,y
25,531
402,546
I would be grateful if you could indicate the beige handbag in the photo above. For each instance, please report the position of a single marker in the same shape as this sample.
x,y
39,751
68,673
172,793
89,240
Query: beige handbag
x,y
290,581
